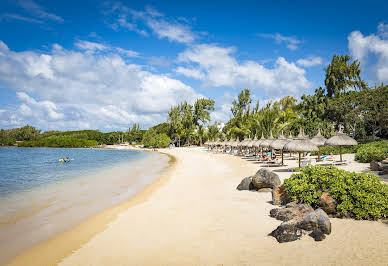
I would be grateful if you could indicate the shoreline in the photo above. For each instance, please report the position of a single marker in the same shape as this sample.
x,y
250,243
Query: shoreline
x,y
53,250
194,215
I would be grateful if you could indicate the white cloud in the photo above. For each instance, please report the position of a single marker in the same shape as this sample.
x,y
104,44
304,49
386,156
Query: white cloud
x,y
94,47
190,72
38,11
20,18
310,61
68,89
90,46
291,42
152,19
216,66
361,47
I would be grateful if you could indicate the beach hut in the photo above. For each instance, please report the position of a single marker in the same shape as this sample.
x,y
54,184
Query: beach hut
x,y
278,144
340,139
319,140
300,144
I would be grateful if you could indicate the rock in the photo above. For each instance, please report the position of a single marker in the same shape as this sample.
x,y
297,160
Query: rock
x,y
299,219
287,232
375,166
317,219
265,178
265,190
318,235
327,203
280,196
293,211
246,184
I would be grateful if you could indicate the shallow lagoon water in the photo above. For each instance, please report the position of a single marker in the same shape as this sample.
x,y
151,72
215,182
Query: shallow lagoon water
x,y
41,197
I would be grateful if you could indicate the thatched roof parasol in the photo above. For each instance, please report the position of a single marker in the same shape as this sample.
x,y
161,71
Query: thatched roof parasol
x,y
267,142
340,139
258,142
279,143
319,140
250,143
300,144
245,142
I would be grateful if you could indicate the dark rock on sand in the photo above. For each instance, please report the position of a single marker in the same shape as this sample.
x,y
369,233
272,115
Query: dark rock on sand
x,y
299,219
317,219
265,178
287,232
280,196
327,203
318,235
291,211
246,184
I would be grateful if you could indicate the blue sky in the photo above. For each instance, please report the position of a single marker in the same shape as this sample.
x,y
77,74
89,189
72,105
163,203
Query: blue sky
x,y
107,65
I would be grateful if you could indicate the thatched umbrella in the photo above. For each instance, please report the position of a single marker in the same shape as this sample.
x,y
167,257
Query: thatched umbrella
x,y
278,144
319,140
340,139
267,142
300,144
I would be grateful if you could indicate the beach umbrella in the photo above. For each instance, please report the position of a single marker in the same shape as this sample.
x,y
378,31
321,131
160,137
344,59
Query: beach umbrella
x,y
258,142
251,142
300,144
340,139
278,144
267,142
319,140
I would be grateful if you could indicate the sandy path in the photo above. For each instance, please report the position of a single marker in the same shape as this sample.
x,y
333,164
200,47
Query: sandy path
x,y
198,218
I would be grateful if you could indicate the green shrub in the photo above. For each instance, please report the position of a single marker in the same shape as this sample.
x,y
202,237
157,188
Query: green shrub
x,y
374,151
359,195
59,142
151,139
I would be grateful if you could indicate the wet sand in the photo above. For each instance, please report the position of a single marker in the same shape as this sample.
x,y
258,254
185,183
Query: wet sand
x,y
195,216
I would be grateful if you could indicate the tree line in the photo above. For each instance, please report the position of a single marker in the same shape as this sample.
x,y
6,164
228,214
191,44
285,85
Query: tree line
x,y
346,99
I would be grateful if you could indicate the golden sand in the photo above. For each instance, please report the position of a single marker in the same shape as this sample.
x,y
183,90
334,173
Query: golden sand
x,y
195,216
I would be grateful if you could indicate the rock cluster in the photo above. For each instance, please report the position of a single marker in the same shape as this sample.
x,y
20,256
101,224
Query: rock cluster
x,y
298,220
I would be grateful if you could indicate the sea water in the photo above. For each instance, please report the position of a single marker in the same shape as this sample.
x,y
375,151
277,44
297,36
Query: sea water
x,y
41,196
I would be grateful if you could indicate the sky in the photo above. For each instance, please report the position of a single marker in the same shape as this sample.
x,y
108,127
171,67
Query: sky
x,y
69,65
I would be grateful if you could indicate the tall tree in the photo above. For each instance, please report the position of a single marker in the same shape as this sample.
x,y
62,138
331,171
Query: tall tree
x,y
342,75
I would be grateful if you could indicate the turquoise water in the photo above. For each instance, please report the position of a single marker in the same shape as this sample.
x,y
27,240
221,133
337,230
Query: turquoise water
x,y
41,197
24,169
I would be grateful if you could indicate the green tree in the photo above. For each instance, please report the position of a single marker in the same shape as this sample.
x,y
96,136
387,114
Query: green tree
x,y
342,75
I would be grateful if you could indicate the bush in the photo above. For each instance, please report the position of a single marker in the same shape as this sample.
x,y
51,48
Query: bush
x,y
59,142
151,139
374,151
359,195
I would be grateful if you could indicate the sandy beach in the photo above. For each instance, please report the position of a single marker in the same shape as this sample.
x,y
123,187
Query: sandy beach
x,y
195,216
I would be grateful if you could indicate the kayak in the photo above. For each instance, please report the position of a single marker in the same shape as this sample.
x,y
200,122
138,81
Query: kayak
x,y
64,160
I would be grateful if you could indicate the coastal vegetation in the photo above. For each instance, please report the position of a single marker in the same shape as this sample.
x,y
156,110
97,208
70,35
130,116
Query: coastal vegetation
x,y
346,100
358,195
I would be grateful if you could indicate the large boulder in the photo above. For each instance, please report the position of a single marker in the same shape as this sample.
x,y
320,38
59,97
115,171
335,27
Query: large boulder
x,y
287,232
299,219
291,211
375,166
280,196
327,203
265,178
316,220
246,184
